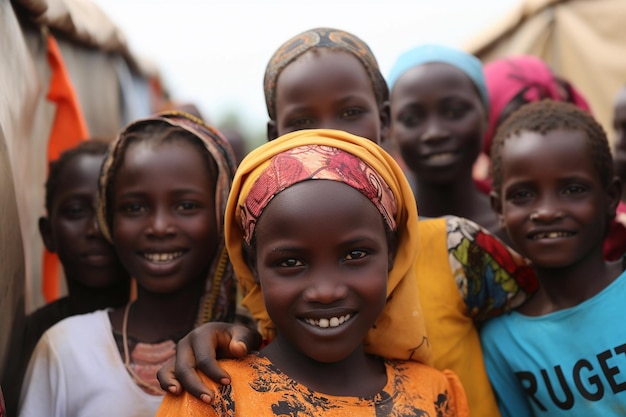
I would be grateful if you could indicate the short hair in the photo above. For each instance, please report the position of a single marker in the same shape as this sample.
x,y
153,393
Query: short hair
x,y
95,147
549,115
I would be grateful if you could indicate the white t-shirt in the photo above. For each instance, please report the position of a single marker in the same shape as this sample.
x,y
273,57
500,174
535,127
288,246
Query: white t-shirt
x,y
76,371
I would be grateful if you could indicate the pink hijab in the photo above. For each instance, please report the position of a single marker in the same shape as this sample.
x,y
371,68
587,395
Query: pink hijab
x,y
527,75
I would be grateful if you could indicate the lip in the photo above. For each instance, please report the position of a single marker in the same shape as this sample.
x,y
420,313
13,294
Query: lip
x,y
327,322
98,257
444,157
162,261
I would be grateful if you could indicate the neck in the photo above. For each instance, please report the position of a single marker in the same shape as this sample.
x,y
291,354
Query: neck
x,y
154,317
567,287
358,375
85,299
459,199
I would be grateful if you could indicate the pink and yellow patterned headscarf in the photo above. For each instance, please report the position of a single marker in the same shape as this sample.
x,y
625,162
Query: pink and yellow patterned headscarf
x,y
334,155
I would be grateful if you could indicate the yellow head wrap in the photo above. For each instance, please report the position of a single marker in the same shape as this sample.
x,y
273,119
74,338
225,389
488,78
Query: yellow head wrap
x,y
399,332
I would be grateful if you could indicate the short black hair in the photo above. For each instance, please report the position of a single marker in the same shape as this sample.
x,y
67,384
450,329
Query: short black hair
x,y
546,116
94,146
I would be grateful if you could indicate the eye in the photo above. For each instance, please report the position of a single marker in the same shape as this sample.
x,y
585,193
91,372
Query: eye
x,y
352,113
411,118
519,195
355,254
291,263
574,189
455,111
301,123
132,208
76,210
186,206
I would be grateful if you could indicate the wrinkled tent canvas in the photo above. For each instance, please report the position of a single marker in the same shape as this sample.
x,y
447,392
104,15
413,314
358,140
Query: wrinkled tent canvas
x,y
582,40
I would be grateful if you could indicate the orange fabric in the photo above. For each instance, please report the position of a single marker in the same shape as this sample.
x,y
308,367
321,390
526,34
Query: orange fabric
x,y
68,129
259,389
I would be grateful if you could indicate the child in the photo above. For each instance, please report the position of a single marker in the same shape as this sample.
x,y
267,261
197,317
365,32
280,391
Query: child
x,y
163,189
94,277
326,78
562,352
321,239
439,108
463,273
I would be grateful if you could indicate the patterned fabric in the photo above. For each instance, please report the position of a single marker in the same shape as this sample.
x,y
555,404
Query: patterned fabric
x,y
315,163
399,331
424,54
219,299
490,277
321,38
261,389
526,75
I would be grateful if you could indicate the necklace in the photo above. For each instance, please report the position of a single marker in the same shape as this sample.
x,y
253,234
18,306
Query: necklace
x,y
143,384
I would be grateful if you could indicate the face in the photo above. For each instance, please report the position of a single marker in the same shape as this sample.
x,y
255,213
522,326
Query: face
x,y
327,90
70,229
164,226
437,121
552,203
322,263
619,127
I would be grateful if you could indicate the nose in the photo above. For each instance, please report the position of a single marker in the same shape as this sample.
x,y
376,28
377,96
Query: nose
x,y
92,228
434,130
547,210
325,288
160,224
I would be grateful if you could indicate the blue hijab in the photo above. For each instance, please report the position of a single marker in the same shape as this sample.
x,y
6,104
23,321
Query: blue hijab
x,y
424,54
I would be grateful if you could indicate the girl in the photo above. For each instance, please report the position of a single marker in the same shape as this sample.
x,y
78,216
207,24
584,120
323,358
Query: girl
x,y
439,108
562,352
162,193
463,273
319,227
94,277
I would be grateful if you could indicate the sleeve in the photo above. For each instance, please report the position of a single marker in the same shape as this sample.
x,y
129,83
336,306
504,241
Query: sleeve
x,y
491,276
186,405
511,398
44,387
459,404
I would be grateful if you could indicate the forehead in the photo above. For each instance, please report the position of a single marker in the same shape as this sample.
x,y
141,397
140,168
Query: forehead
x,y
81,170
434,77
324,66
555,152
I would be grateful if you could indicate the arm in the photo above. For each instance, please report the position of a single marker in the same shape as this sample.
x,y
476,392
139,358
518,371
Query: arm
x,y
199,350
491,276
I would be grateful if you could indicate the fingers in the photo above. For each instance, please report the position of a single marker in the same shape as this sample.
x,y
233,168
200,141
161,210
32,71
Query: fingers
x,y
243,341
167,379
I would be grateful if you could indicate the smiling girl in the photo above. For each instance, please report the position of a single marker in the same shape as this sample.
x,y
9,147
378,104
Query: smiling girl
x,y
318,227
163,190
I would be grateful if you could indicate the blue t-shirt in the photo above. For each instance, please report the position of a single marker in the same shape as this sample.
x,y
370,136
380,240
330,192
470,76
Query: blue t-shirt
x,y
568,363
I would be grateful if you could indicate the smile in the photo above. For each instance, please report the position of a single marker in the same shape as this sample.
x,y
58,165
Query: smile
x,y
551,235
328,322
162,257
440,157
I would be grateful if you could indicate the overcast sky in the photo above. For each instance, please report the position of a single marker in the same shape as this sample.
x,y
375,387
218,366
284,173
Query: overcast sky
x,y
214,52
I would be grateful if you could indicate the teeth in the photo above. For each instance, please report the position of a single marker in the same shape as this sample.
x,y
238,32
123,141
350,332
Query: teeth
x,y
326,323
551,235
162,257
439,156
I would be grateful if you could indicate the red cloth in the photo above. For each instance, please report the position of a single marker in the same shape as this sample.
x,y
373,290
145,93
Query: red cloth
x,y
68,129
614,245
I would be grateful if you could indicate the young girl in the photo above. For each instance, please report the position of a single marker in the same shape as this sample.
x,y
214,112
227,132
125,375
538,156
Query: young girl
x,y
463,273
319,228
439,108
163,189
94,276
562,352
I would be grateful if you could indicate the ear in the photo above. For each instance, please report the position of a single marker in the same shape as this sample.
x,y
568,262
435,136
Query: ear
x,y
385,121
496,206
614,195
272,130
45,230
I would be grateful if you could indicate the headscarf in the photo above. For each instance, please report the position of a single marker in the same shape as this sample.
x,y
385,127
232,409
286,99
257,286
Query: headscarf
x,y
429,53
527,75
399,332
321,38
219,299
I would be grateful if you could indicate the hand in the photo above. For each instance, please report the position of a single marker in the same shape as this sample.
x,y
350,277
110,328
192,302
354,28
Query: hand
x,y
200,350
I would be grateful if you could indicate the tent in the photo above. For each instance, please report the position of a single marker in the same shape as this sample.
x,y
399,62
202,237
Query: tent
x,y
583,41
